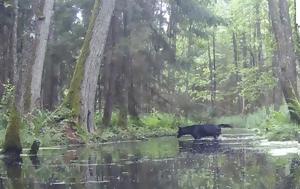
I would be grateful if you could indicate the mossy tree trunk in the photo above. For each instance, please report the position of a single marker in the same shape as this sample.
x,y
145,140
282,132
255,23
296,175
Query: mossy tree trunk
x,y
82,92
12,141
281,24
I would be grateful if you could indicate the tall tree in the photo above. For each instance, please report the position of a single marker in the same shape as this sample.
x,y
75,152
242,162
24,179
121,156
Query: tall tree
x,y
279,12
44,16
110,68
82,92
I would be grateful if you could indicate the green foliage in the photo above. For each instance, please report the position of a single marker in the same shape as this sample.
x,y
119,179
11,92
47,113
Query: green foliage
x,y
6,100
254,83
150,125
251,121
276,125
42,125
280,127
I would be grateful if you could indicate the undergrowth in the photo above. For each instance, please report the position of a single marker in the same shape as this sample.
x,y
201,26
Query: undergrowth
x,y
149,125
275,125
44,125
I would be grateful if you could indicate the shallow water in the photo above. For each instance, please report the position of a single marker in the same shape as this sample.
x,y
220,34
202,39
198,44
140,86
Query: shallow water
x,y
238,160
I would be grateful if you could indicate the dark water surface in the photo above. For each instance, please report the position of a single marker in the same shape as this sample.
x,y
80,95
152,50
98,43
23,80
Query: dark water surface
x,y
237,161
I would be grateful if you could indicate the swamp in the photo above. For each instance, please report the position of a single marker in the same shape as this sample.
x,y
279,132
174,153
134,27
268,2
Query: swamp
x,y
158,94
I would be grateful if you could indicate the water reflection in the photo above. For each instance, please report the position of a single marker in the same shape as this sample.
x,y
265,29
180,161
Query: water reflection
x,y
159,163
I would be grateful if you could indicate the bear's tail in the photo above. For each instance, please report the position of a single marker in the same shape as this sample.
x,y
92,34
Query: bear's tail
x,y
225,126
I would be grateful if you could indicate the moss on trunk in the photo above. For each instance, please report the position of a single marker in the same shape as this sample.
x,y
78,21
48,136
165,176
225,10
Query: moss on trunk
x,y
72,100
12,141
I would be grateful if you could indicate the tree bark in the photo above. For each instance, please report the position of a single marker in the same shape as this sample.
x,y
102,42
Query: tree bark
x,y
15,43
214,70
81,97
237,77
26,29
6,40
210,75
281,24
43,28
297,32
132,102
260,55
110,71
277,91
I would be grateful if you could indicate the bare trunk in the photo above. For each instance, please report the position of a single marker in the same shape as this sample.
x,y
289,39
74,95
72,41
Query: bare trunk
x,y
92,63
43,28
260,55
110,63
172,32
26,29
210,75
277,91
14,41
237,77
286,55
132,102
214,90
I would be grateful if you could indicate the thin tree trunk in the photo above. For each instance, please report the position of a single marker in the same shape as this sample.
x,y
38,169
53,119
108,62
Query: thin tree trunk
x,y
52,73
132,102
297,34
210,75
260,55
14,41
237,77
214,72
172,35
188,66
277,91
43,28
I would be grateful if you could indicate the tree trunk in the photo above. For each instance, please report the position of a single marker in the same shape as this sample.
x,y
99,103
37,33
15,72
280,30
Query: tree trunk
x,y
281,24
260,55
237,77
172,32
26,29
6,37
52,73
81,97
43,28
15,43
277,91
210,75
110,64
132,102
214,90
297,34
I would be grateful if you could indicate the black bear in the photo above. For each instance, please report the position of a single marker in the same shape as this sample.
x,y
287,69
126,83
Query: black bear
x,y
199,131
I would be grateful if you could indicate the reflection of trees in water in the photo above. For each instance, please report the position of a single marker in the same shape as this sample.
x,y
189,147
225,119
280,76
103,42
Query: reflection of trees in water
x,y
14,171
211,165
234,169
291,179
